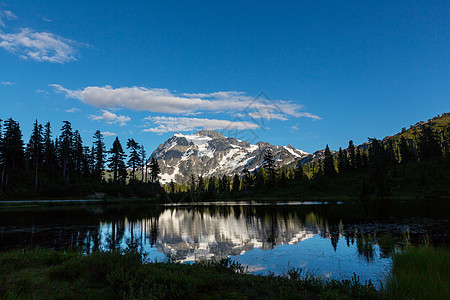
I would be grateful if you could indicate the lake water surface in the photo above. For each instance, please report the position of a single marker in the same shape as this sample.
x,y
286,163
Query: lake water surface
x,y
330,240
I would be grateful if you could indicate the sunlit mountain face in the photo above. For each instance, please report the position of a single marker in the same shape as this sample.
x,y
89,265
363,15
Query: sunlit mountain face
x,y
208,153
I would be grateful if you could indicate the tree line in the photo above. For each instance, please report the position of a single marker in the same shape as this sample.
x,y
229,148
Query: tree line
x,y
376,159
65,166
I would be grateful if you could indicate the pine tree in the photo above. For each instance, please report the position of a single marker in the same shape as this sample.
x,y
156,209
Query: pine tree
x,y
340,160
236,184
49,149
428,144
212,185
247,181
78,153
143,155
358,159
66,149
406,154
328,163
193,183
269,164
201,184
35,149
98,153
12,150
134,159
172,187
299,174
155,170
116,161
225,184
351,154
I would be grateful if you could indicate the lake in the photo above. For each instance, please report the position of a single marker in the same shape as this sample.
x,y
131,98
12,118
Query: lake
x,y
334,240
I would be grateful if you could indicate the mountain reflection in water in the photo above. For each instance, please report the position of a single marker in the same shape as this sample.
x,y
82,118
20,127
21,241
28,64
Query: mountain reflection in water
x,y
329,240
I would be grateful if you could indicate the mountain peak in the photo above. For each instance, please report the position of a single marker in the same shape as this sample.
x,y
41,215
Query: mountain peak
x,y
210,133
209,153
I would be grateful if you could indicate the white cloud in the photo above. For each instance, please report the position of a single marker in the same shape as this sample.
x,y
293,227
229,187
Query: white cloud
x,y
164,101
174,124
8,83
111,118
73,110
294,128
107,133
8,15
39,46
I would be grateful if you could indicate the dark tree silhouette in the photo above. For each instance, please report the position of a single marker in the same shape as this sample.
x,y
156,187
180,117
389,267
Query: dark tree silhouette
x,y
351,154
269,164
429,144
98,153
328,163
135,158
155,170
66,149
35,150
116,161
236,184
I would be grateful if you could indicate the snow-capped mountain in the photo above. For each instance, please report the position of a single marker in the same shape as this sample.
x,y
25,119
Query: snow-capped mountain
x,y
209,153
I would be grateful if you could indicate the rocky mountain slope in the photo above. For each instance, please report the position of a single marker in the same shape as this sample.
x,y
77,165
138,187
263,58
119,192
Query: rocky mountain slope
x,y
209,153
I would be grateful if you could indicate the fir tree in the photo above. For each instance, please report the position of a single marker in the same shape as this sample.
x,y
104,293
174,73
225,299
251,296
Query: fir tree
x,y
212,185
299,174
116,161
193,183
155,170
328,163
236,184
143,155
12,151
269,164
406,153
66,149
358,159
98,153
201,184
428,144
35,149
134,159
172,187
49,149
351,154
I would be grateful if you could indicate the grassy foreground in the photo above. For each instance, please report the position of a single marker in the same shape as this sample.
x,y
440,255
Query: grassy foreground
x,y
421,273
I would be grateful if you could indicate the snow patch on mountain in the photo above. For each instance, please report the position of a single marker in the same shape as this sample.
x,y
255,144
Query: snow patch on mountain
x,y
209,153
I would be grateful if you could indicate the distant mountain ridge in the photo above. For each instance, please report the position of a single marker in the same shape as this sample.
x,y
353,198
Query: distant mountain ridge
x,y
209,153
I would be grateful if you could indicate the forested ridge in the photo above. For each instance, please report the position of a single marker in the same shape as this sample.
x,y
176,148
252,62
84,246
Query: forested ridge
x,y
414,162
63,166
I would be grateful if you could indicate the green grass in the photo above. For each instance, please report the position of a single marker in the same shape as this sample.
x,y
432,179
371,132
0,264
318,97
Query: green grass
x,y
420,273
46,274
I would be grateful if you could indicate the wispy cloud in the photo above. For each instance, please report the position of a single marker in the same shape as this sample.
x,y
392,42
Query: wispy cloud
x,y
177,124
107,133
111,118
8,83
6,15
73,110
39,46
165,101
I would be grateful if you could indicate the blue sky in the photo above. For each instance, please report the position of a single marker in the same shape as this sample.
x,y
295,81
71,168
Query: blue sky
x,y
326,71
